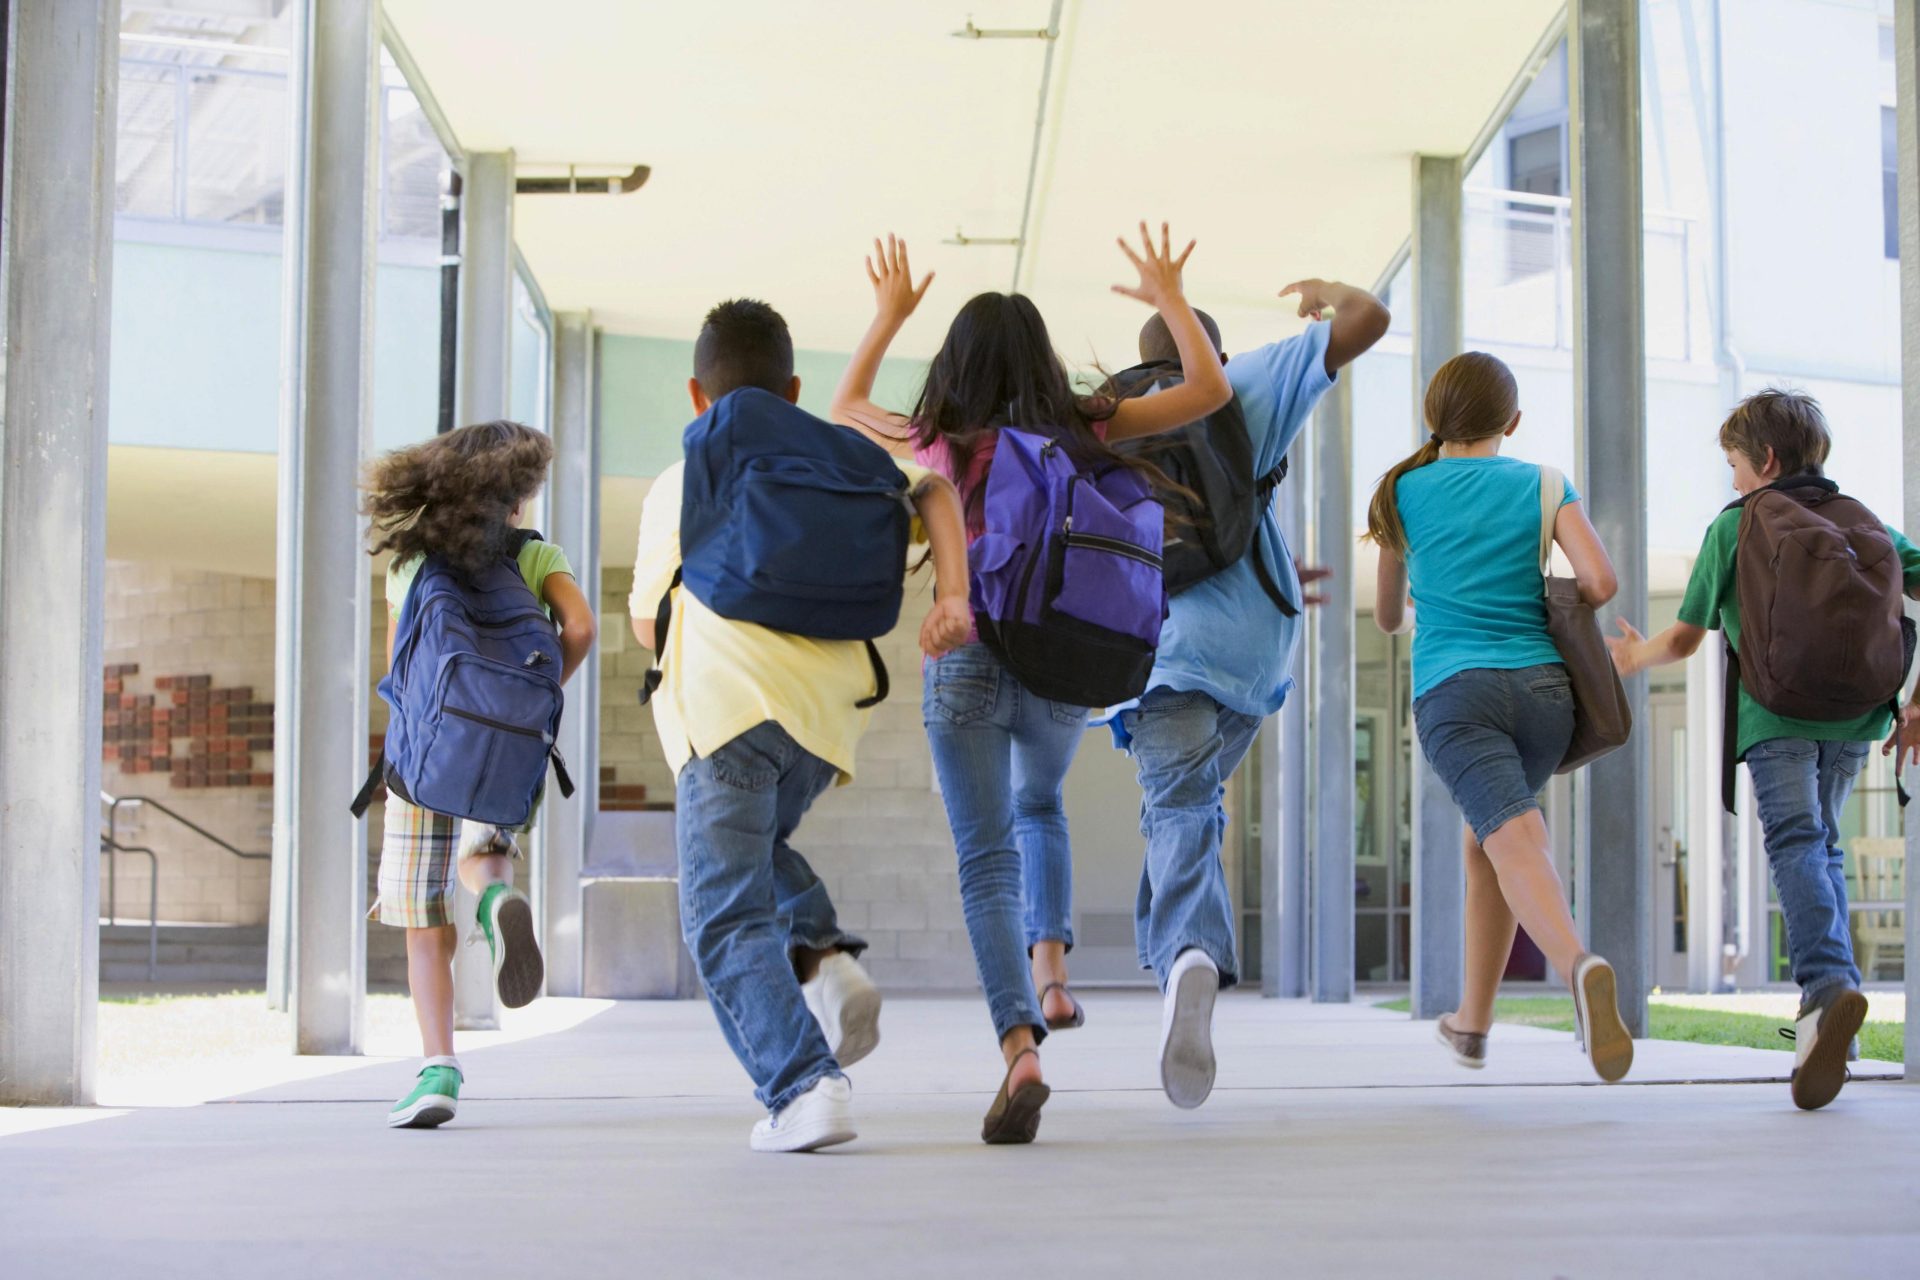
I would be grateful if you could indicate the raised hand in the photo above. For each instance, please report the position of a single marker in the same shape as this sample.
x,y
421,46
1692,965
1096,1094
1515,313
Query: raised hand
x,y
1313,297
1159,270
894,294
946,626
1625,648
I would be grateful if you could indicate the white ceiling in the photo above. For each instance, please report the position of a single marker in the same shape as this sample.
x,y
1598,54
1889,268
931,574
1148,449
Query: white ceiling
x,y
783,136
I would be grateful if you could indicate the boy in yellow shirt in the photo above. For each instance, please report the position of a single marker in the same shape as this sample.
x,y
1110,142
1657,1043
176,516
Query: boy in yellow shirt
x,y
756,724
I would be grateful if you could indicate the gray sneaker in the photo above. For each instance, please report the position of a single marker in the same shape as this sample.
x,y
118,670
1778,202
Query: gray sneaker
x,y
1469,1047
1822,1035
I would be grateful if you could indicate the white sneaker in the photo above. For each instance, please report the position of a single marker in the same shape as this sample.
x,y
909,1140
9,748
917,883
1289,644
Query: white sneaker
x,y
1822,1035
1186,1029
846,1004
820,1117
1596,1010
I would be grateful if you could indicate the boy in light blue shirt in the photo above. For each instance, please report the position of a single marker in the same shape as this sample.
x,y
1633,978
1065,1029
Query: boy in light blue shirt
x,y
1224,665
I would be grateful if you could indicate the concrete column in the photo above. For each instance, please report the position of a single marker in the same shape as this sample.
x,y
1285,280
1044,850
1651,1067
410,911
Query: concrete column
x,y
1331,839
1439,874
486,368
574,523
1284,795
1906,54
324,585
1609,375
1707,828
62,71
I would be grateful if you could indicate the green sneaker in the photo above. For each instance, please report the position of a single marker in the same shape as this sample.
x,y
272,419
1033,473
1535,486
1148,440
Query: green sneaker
x,y
435,1097
506,921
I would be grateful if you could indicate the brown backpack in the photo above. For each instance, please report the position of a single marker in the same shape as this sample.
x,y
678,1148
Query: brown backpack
x,y
1823,632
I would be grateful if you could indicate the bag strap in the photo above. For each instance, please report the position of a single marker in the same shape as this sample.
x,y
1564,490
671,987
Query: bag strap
x,y
881,685
1729,727
1553,487
371,787
662,621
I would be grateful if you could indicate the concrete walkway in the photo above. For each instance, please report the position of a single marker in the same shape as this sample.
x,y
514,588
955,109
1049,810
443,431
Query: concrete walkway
x,y
1339,1141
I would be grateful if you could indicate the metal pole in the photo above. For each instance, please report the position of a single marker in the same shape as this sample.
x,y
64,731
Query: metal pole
x,y
1906,54
1609,372
485,336
1283,802
56,193
573,513
1333,708
1439,872
325,585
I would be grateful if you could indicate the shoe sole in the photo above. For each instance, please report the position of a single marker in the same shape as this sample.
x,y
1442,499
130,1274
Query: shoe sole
x,y
1609,1047
830,1132
1819,1079
1187,1063
1459,1057
859,1027
518,970
1020,1122
429,1112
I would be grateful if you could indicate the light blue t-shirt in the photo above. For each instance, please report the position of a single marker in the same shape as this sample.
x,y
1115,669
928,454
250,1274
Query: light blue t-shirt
x,y
1473,566
1225,637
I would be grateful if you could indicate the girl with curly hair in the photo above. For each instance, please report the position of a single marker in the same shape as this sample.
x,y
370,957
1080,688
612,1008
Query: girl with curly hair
x,y
460,497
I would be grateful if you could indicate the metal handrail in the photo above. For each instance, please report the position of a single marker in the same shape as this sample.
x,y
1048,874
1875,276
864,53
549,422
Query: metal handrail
x,y
111,846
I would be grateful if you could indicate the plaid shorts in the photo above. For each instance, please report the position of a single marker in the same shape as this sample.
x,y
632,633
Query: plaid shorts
x,y
417,855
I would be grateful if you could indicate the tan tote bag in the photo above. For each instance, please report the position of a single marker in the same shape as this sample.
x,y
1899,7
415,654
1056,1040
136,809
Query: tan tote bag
x,y
1602,720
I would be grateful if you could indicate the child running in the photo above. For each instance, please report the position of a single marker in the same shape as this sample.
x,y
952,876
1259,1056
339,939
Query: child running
x,y
1001,753
757,724
1224,662
1803,769
1459,527
459,498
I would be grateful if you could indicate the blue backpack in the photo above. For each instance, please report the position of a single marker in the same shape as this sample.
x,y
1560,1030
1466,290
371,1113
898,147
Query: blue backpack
x,y
792,523
475,692
1067,582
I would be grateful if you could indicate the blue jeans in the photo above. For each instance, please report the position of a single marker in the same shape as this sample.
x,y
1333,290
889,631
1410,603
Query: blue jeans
x,y
747,900
1186,746
1002,756
1800,786
1494,737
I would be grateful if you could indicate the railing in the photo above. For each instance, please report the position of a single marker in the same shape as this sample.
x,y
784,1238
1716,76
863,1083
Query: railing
x,y
111,846
1518,263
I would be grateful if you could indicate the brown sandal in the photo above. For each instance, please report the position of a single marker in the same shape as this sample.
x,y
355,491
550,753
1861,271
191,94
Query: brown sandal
x,y
1015,1117
1078,1018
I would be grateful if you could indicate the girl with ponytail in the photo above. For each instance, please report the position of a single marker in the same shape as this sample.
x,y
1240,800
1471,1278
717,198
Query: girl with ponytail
x,y
1458,528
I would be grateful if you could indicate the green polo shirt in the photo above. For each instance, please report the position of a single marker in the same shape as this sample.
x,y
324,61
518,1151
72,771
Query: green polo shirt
x,y
1712,602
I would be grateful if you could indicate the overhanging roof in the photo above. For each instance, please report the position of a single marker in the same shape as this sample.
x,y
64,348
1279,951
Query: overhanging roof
x,y
783,136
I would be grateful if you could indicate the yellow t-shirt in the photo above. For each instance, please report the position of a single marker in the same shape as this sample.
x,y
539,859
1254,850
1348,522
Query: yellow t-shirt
x,y
721,677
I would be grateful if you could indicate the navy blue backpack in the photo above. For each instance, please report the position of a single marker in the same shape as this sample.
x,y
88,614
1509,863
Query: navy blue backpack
x,y
792,523
475,695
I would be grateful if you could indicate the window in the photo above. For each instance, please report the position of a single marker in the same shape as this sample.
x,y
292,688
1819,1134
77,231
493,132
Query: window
x,y
1536,162
1890,181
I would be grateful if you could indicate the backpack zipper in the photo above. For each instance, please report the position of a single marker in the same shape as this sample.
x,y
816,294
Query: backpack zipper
x,y
1114,546
501,725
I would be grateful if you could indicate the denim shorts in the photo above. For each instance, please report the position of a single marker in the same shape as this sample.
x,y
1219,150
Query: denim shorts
x,y
1495,738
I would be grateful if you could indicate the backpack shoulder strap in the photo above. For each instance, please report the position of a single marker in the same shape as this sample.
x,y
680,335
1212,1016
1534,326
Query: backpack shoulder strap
x,y
1553,487
662,620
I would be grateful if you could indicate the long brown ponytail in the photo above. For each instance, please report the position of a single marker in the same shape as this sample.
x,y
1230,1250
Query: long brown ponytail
x,y
1472,397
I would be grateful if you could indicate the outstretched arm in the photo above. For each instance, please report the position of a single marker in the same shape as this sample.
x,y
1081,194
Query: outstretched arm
x,y
1359,318
1204,387
895,297
1633,652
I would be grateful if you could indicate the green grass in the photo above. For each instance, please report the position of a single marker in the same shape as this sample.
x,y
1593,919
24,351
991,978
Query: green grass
x,y
1879,1040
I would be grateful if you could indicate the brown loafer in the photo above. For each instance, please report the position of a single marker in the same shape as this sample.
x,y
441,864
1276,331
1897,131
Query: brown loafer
x,y
1469,1047
1015,1117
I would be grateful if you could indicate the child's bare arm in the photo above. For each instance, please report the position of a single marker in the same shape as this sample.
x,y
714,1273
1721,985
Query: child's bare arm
x,y
393,630
1390,593
1204,385
1633,652
895,297
948,622
569,606
1359,318
1592,567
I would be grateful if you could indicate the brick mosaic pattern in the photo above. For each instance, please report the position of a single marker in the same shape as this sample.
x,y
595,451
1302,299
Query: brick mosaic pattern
x,y
200,735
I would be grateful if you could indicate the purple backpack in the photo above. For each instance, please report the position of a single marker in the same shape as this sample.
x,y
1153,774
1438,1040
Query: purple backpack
x,y
1066,580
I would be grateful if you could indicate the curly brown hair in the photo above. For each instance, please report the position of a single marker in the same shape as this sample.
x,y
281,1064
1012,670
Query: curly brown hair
x,y
453,496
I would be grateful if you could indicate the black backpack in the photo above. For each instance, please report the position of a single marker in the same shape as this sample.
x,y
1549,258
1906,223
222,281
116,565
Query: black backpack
x,y
1214,459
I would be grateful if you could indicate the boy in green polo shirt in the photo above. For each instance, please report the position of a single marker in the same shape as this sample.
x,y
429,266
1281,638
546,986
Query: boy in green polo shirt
x,y
1803,770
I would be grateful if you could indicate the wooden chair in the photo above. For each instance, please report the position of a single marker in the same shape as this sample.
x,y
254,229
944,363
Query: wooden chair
x,y
1880,871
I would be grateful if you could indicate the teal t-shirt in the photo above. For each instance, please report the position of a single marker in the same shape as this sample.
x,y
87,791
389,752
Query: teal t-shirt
x,y
1713,601
1473,567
